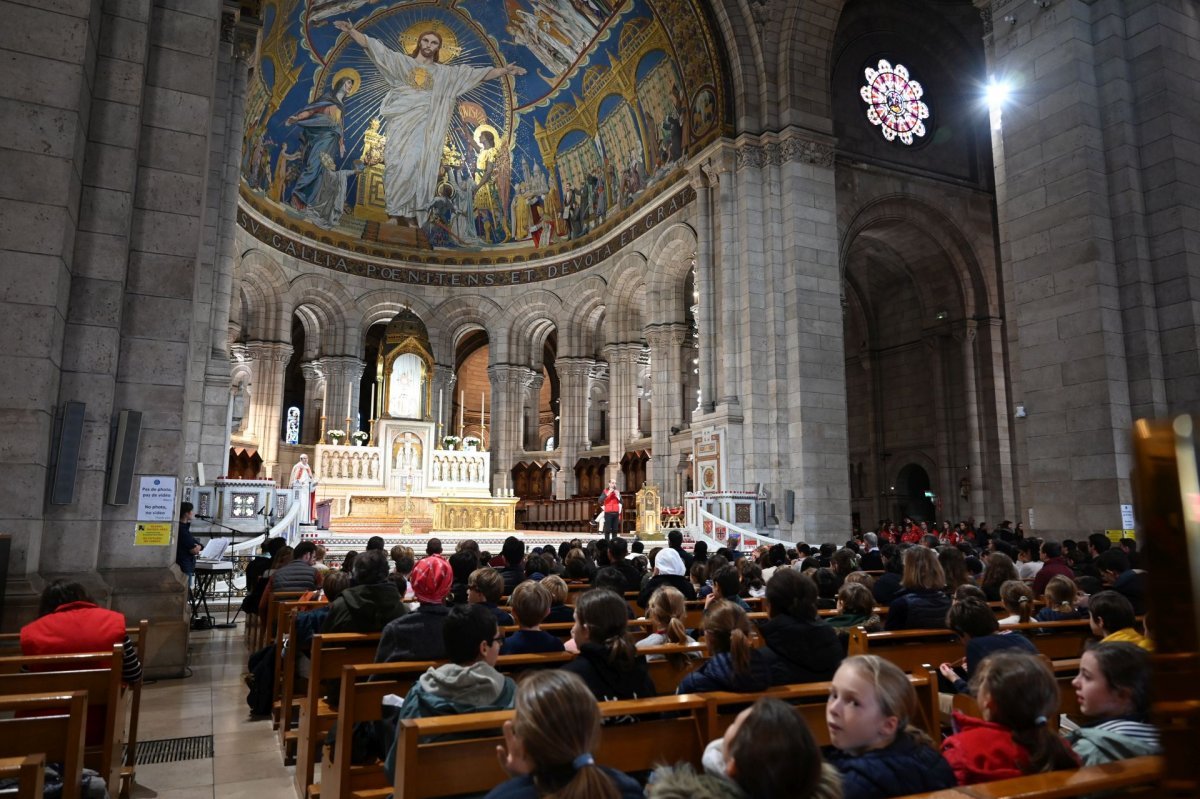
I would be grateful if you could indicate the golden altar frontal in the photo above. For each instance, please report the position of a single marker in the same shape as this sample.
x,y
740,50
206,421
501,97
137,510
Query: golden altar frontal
x,y
475,514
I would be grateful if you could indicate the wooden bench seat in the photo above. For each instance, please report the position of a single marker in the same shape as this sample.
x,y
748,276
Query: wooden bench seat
x,y
1139,775
57,737
910,649
286,704
329,655
29,771
671,730
809,700
98,674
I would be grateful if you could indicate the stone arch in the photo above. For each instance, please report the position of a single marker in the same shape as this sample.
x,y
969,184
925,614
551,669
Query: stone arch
x,y
741,47
323,302
805,57
529,316
669,261
626,299
381,306
582,306
939,229
263,284
450,320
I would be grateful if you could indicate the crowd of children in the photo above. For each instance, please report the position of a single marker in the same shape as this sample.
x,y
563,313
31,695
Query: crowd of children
x,y
460,604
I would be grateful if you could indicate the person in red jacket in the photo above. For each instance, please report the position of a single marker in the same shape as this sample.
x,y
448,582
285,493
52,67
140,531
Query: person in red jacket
x,y
611,501
69,622
1017,693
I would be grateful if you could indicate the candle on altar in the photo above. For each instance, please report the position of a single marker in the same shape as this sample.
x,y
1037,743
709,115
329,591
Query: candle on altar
x,y
462,404
439,418
349,401
482,422
372,402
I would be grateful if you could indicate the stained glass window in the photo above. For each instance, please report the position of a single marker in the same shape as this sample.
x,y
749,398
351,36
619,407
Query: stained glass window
x,y
293,426
894,102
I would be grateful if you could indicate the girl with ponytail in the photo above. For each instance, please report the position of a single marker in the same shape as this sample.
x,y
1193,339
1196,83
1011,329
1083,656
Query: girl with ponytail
x,y
1018,696
548,744
666,612
608,662
1017,599
734,664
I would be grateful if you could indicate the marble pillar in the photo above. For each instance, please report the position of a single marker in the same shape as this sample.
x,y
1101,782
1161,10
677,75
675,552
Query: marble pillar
x,y
622,401
666,363
343,376
507,383
573,383
530,414
314,400
270,359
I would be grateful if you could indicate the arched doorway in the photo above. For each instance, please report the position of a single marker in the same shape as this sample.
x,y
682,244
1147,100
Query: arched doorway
x,y
913,494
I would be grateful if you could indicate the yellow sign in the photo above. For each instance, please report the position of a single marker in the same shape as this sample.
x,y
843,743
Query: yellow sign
x,y
1116,535
152,534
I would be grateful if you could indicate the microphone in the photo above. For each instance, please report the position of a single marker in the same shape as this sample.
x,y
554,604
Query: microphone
x,y
205,518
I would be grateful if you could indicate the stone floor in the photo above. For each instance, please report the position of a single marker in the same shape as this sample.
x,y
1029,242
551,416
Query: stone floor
x,y
247,760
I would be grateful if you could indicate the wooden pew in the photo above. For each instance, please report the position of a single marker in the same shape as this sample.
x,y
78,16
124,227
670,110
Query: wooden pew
x,y
667,675
10,644
1068,703
426,770
96,673
1136,776
266,630
29,771
330,654
361,694
56,738
286,703
910,649
809,700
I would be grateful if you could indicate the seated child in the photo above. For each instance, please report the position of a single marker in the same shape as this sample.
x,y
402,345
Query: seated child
x,y
608,662
879,753
666,613
549,742
530,604
856,608
1061,596
1113,689
733,664
1111,617
975,623
767,752
1017,694
726,584
484,587
560,611
1017,599
469,683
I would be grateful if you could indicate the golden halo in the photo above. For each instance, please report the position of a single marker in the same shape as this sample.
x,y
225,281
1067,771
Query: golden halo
x,y
352,74
450,46
479,133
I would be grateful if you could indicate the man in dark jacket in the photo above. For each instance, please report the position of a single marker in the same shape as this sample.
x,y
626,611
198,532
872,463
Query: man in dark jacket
x,y
418,635
1053,564
675,542
617,550
1117,575
872,559
299,575
368,605
799,646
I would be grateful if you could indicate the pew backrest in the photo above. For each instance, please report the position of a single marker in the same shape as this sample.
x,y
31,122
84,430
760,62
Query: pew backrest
x,y
58,736
28,771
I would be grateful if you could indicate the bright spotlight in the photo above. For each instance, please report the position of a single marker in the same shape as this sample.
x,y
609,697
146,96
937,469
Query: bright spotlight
x,y
998,92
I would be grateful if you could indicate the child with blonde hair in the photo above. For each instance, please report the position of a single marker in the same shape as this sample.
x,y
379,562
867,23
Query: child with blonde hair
x,y
1061,596
666,612
873,743
1017,599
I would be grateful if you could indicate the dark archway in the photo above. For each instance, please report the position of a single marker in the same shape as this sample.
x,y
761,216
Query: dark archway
x,y
912,494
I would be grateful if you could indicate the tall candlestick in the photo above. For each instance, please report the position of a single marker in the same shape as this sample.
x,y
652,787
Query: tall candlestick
x,y
439,419
349,400
372,402
482,423
462,404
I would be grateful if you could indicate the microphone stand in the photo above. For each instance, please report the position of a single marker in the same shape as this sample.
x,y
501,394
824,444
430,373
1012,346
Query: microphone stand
x,y
236,532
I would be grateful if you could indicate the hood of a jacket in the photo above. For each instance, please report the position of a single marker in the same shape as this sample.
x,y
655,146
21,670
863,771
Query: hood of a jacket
x,y
465,686
1096,745
801,642
381,600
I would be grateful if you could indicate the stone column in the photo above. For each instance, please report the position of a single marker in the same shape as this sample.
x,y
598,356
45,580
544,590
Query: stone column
x,y
532,385
706,291
270,362
573,383
977,503
622,401
343,376
666,363
314,401
444,381
507,382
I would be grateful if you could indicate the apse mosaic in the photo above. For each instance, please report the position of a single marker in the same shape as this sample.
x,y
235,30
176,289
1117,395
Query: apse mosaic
x,y
894,102
448,128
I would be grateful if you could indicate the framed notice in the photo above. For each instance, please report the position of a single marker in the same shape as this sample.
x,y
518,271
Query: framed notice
x,y
152,534
156,499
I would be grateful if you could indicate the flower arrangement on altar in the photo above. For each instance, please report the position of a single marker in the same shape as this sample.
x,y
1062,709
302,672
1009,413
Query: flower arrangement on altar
x,y
359,438
336,437
471,444
450,442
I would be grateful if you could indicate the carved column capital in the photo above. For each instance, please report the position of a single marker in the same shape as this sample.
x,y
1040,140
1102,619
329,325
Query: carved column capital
x,y
507,373
269,351
342,366
312,371
574,368
671,334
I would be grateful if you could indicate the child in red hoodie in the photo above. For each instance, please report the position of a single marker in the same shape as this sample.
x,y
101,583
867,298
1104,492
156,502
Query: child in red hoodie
x,y
1017,695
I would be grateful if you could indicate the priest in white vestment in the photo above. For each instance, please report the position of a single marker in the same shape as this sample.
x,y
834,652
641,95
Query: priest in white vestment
x,y
304,479
417,111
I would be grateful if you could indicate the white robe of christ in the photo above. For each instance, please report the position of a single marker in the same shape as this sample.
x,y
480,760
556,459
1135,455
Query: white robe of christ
x,y
416,111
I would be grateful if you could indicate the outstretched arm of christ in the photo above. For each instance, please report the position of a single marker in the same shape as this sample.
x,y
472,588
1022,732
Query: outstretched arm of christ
x,y
348,27
362,41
